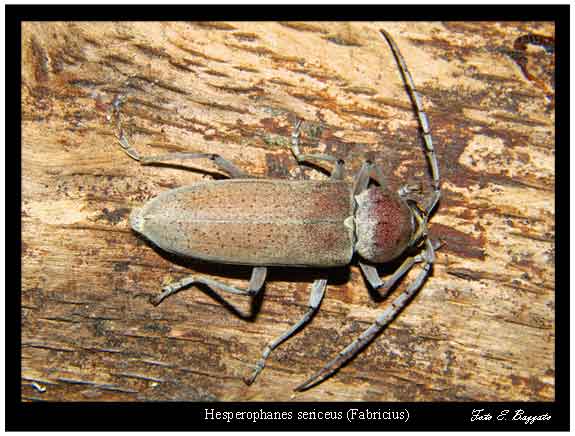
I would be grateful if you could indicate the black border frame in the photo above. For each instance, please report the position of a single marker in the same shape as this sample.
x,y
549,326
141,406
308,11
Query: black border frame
x,y
190,416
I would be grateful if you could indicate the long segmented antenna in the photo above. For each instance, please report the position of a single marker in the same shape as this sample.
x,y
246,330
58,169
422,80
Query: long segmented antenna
x,y
427,257
423,122
379,324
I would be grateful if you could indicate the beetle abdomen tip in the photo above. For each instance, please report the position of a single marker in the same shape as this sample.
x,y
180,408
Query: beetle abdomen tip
x,y
136,221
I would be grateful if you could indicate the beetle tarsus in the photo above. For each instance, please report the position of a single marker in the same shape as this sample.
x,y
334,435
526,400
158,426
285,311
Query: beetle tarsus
x,y
249,379
157,299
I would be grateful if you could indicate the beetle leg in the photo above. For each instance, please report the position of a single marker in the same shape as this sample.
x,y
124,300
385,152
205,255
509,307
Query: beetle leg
x,y
423,122
362,178
336,174
380,323
377,175
223,164
255,285
406,191
316,295
368,171
372,276
421,221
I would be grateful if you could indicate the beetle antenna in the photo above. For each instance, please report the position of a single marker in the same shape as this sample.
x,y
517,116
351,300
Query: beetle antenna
x,y
423,122
379,324
421,215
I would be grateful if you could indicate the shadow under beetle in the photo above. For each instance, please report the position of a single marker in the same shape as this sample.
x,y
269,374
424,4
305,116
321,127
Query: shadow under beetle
x,y
320,224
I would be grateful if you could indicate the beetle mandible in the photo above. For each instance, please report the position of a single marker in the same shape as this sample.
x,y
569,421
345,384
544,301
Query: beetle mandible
x,y
304,223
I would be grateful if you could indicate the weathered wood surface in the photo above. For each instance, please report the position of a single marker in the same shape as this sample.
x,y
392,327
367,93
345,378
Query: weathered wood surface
x,y
482,328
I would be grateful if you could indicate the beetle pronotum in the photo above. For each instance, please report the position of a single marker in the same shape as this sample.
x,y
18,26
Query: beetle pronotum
x,y
302,223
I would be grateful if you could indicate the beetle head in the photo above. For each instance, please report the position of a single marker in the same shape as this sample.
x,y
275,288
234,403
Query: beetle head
x,y
384,225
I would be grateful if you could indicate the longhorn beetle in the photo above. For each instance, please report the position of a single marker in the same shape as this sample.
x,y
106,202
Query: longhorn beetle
x,y
300,223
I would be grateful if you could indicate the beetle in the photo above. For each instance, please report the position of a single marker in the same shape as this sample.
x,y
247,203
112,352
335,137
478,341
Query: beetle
x,y
298,223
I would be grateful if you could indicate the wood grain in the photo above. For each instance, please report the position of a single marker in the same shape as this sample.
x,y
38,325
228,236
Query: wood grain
x,y
482,328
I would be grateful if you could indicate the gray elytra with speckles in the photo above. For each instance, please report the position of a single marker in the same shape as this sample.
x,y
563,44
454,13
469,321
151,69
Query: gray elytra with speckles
x,y
274,222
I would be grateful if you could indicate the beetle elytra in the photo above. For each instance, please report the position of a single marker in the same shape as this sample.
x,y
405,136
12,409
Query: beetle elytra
x,y
304,223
